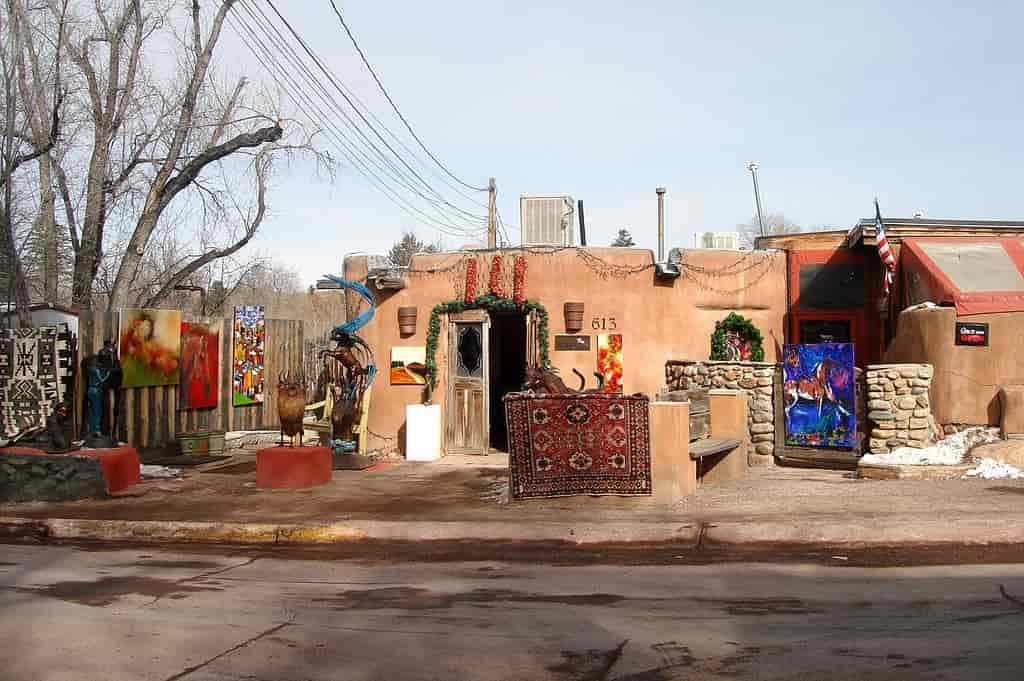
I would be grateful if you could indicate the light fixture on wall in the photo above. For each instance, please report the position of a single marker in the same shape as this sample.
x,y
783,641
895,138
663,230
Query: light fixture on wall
x,y
407,320
573,317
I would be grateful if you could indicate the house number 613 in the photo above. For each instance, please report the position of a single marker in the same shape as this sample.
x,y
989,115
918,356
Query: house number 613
x,y
603,324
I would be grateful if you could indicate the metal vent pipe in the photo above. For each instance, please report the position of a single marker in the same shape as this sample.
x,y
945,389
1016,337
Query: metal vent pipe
x,y
660,191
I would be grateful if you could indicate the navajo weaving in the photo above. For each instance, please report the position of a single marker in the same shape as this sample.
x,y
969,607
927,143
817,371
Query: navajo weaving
x,y
31,376
561,445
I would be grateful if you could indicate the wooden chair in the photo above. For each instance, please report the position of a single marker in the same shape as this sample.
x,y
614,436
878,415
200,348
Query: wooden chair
x,y
322,424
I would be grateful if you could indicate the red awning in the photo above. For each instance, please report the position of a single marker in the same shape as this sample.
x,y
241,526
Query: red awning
x,y
977,275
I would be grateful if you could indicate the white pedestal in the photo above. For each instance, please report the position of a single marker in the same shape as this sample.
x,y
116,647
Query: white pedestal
x,y
422,432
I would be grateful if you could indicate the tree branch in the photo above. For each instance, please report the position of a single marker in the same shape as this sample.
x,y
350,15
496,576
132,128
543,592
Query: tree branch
x,y
217,253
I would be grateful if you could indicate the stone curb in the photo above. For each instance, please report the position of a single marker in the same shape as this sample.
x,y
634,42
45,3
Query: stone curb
x,y
352,531
853,532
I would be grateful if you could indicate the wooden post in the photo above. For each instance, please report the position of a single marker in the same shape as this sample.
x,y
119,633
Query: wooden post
x,y
492,228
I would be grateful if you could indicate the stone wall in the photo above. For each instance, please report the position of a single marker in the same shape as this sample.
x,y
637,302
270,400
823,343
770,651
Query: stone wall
x,y
30,477
756,379
899,409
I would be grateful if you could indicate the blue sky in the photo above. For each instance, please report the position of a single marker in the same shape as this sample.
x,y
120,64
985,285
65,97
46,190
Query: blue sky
x,y
838,102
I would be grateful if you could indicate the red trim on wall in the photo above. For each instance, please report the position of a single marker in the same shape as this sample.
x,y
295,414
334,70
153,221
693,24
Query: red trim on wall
x,y
864,336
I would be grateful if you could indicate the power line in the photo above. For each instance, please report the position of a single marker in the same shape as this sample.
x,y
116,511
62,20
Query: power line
x,y
387,96
348,148
334,81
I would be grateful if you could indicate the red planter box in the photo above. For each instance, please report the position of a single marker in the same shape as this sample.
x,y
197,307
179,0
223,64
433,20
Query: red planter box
x,y
293,467
120,464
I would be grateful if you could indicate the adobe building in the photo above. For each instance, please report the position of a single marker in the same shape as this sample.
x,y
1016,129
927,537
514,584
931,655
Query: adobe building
x,y
661,313
952,277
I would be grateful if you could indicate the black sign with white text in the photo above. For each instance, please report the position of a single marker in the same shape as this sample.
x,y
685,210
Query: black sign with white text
x,y
572,343
972,333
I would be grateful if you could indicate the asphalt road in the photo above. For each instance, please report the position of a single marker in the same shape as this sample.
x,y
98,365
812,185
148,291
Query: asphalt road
x,y
142,613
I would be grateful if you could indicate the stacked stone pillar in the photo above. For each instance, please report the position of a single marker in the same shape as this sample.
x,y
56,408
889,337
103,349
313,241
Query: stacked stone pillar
x,y
899,411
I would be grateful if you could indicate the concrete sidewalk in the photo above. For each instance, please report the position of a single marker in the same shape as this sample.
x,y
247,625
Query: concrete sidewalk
x,y
462,498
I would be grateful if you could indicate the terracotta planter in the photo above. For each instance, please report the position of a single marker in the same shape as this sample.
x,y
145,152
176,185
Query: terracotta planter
x,y
573,317
407,321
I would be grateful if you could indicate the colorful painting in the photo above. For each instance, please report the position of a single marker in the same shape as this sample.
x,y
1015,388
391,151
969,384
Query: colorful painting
x,y
200,365
609,361
149,347
409,366
818,395
247,363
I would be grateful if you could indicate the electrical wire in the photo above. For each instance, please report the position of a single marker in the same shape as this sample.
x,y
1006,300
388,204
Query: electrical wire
x,y
356,157
334,81
387,96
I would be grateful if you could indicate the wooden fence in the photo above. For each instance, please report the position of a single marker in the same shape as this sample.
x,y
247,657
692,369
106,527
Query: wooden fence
x,y
150,416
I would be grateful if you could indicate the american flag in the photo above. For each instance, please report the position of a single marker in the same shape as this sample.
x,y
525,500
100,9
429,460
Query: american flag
x,y
884,251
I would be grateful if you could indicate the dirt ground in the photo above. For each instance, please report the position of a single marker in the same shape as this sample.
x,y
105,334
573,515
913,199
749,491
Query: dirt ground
x,y
474,488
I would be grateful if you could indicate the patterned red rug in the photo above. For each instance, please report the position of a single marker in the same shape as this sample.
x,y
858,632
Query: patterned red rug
x,y
561,445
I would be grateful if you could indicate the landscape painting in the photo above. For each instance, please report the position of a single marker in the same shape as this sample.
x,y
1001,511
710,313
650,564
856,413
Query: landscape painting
x,y
247,362
609,361
200,363
150,343
409,366
818,395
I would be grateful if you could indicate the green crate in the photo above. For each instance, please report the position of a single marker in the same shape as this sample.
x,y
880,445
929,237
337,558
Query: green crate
x,y
207,443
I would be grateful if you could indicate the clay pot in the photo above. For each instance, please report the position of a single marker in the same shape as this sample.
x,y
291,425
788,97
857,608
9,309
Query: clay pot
x,y
573,317
407,321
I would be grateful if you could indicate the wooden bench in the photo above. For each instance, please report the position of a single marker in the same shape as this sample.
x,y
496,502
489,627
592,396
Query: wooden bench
x,y
322,424
700,449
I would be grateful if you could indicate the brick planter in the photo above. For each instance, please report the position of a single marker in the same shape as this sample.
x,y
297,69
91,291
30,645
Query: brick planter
x,y
293,467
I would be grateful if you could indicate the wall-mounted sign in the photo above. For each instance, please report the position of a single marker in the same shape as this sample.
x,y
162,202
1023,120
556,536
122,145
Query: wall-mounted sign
x,y
572,343
972,333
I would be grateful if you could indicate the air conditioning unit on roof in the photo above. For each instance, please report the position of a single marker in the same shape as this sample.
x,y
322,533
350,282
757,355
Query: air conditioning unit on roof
x,y
729,241
547,219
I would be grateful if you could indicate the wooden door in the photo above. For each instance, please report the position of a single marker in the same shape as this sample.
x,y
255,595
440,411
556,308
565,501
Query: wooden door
x,y
467,413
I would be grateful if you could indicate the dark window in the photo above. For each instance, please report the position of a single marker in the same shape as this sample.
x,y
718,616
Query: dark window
x,y
470,351
824,331
831,287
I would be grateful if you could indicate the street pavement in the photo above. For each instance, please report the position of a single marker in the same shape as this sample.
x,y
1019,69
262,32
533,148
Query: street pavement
x,y
74,613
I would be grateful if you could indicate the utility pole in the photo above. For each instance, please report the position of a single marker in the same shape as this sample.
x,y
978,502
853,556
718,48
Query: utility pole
x,y
492,214
752,167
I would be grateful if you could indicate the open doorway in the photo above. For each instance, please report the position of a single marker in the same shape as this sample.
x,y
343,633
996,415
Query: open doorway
x,y
507,368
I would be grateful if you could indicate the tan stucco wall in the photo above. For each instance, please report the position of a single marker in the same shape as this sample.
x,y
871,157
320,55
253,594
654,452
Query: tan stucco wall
x,y
965,388
658,320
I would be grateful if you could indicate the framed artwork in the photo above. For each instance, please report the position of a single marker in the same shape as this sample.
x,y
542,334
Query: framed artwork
x,y
200,365
818,395
409,366
149,347
609,361
248,381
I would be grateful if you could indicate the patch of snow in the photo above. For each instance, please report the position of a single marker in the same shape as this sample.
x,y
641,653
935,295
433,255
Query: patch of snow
x,y
952,451
990,469
150,471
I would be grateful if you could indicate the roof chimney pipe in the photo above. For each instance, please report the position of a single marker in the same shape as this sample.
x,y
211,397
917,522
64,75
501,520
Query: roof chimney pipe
x,y
660,191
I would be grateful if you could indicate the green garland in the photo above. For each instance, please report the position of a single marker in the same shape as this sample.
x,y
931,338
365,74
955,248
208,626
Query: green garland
x,y
490,302
745,329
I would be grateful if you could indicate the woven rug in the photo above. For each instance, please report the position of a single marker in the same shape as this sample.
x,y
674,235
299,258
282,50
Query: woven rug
x,y
561,445
31,376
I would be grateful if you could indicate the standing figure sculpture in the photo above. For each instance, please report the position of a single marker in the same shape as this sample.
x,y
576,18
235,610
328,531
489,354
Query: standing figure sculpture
x,y
103,378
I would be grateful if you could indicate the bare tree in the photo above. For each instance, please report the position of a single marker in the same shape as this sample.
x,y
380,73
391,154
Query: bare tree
x,y
30,132
774,223
158,143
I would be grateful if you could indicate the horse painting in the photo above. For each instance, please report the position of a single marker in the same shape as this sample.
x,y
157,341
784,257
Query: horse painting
x,y
818,395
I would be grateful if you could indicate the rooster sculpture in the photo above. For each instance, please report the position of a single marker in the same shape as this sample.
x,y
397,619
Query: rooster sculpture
x,y
291,406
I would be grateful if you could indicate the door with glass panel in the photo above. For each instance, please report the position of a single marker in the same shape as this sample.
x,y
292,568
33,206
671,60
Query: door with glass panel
x,y
467,412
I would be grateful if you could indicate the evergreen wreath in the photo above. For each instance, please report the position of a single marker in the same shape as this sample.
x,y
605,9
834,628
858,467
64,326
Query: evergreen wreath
x,y
742,327
489,302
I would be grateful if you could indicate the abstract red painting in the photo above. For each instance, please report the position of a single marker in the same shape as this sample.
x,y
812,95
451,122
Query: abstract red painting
x,y
200,365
